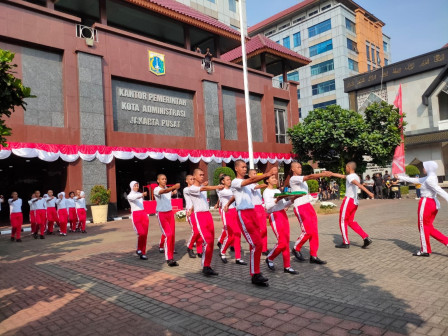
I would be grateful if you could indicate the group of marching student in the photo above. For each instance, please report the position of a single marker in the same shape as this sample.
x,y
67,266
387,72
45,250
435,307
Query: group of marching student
x,y
48,210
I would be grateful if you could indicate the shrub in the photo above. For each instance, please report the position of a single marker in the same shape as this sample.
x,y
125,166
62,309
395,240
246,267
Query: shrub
x,y
307,169
224,170
404,190
99,195
412,170
313,186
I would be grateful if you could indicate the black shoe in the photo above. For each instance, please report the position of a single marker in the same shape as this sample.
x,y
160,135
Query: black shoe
x,y
421,254
207,270
12,239
298,255
240,262
200,255
290,271
49,233
191,253
265,253
42,237
270,264
342,245
259,280
35,235
172,263
143,257
232,249
138,252
161,250
316,260
223,258
367,242
19,240
219,245
174,252
84,231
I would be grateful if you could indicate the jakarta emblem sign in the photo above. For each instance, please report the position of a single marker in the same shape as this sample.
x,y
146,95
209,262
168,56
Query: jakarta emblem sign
x,y
156,63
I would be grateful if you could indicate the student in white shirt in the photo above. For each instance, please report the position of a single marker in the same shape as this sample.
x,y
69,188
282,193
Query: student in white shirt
x,y
71,208
139,218
257,200
62,213
80,204
428,207
350,205
165,216
32,214
203,218
278,219
52,215
305,213
195,237
41,214
15,216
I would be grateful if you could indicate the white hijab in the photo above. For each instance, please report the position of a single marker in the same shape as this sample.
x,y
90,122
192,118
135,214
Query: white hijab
x,y
132,184
82,193
430,167
61,193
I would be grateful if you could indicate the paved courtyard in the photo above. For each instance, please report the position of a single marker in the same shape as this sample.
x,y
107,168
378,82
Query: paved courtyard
x,y
94,284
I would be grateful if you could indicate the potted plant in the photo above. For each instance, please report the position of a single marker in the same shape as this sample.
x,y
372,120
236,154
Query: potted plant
x,y
99,199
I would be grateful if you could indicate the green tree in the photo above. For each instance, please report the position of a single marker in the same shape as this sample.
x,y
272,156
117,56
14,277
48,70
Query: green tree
x,y
222,170
12,92
307,169
334,136
412,170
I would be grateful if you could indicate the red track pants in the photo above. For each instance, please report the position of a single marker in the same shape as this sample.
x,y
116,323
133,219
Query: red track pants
x,y
280,226
223,234
41,220
33,221
346,218
52,217
427,211
16,224
82,218
250,227
233,232
63,218
72,218
261,214
195,235
206,228
167,226
140,222
308,223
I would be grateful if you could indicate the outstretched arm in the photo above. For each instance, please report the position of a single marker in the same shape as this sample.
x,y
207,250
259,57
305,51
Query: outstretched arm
x,y
316,176
338,175
170,189
258,178
359,185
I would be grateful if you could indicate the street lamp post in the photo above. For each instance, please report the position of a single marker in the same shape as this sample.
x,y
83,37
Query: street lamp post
x,y
246,89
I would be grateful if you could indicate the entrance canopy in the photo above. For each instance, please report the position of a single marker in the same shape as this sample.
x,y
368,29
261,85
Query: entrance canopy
x,y
105,154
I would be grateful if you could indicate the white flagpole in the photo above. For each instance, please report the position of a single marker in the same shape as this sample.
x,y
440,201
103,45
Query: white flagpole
x,y
246,88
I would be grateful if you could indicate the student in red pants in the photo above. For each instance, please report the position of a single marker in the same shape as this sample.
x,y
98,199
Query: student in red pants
x,y
305,213
71,208
139,218
230,222
350,205
165,216
52,215
257,200
203,218
32,214
278,219
195,237
61,202
247,217
40,213
16,217
80,203
428,207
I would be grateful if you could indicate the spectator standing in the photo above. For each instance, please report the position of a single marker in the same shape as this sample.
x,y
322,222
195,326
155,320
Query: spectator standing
x,y
417,188
378,183
369,184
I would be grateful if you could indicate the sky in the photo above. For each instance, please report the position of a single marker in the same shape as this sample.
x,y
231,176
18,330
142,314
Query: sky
x,y
414,26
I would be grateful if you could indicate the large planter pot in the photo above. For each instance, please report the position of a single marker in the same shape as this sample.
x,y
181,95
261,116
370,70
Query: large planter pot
x,y
99,213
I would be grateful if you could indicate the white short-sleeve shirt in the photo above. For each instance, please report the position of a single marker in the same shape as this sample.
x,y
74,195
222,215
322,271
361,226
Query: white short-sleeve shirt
x,y
16,206
163,200
351,190
198,199
298,184
256,194
188,203
224,197
243,195
269,201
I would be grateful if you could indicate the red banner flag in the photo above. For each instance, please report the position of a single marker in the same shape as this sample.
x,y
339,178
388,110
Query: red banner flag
x,y
398,165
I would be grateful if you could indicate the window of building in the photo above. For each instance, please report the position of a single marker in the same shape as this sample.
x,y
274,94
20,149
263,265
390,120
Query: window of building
x,y
280,125
297,40
323,87
324,104
232,5
325,7
298,94
298,20
277,42
286,25
286,42
386,61
313,13
372,48
321,47
319,28
214,1
369,67
269,33
385,46
350,25
378,58
322,67
235,27
293,76
352,45
368,52
300,113
353,65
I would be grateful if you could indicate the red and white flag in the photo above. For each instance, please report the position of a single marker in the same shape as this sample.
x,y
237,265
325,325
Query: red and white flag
x,y
398,165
